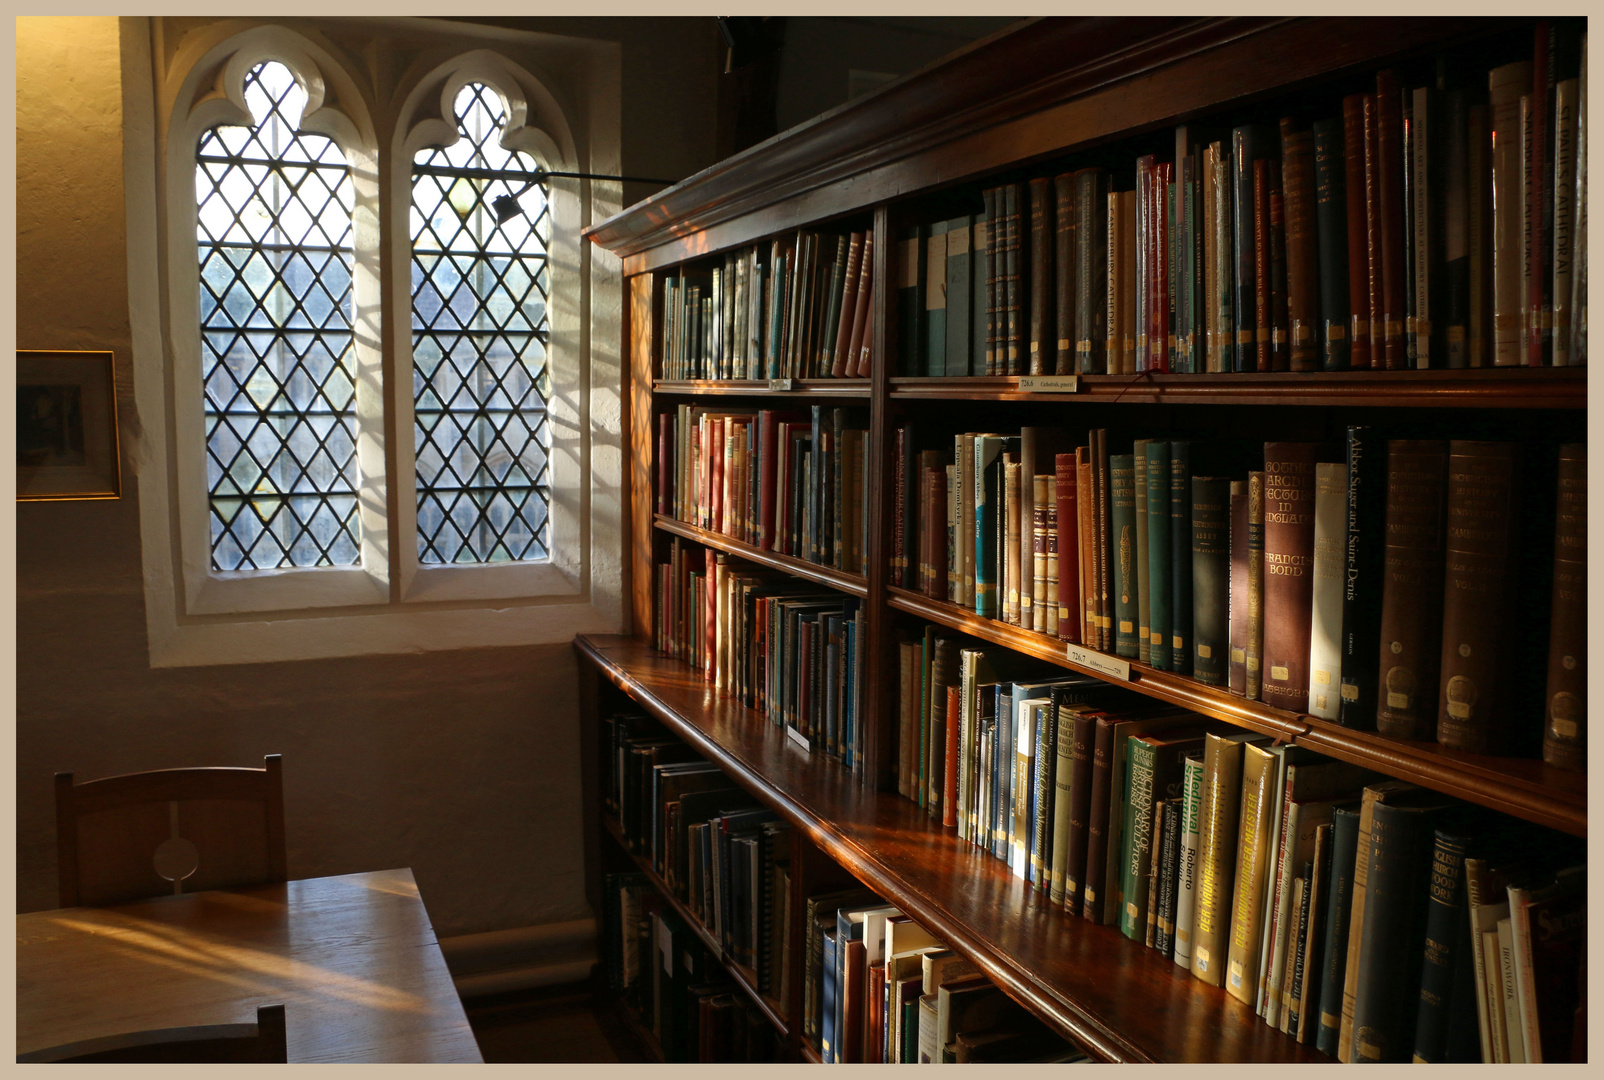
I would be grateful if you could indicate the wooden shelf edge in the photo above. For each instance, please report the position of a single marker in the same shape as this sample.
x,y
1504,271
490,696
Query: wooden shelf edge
x,y
1550,797
1163,685
822,575
810,1055
810,388
1503,388
742,975
1085,1026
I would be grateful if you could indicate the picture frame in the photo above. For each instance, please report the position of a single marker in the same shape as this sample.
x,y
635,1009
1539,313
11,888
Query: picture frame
x,y
67,445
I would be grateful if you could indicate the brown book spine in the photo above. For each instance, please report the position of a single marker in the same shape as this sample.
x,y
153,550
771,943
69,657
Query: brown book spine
x,y
843,361
1238,666
1254,663
1474,707
1479,231
1042,320
863,320
1084,739
1411,596
1064,273
993,261
1565,718
1374,278
937,526
1070,621
1280,345
1261,262
1303,295
1093,891
1105,562
1014,256
1389,135
1288,573
1353,148
1539,195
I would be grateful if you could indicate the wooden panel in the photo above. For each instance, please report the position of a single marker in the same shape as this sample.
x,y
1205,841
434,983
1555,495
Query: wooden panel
x,y
642,449
1120,1000
1037,91
353,959
880,697
823,575
1503,388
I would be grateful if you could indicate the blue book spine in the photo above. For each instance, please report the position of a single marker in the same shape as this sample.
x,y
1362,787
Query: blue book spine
x,y
827,1012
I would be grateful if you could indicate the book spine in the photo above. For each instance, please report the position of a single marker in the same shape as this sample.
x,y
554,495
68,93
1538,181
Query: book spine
x,y
1085,531
1244,151
1445,912
1114,308
1299,182
1365,514
1103,540
1091,270
1065,218
1144,264
1015,264
1093,898
1144,584
1539,200
1049,599
1138,809
1411,602
1159,552
1325,633
1506,85
1456,182
1062,803
1042,795
960,336
1478,238
1043,242
1280,337
1344,849
1180,556
1154,860
1394,933
1289,483
1217,840
1211,518
1161,351
1390,188
1478,597
1237,592
1187,859
1253,664
1253,857
1070,610
1563,211
1262,226
949,772
1168,868
1042,487
1123,544
1565,714
1012,505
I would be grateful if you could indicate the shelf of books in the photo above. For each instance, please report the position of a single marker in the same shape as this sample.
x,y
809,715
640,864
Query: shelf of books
x,y
1190,722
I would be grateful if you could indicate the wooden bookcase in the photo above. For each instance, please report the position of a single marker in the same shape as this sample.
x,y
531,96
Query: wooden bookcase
x,y
1046,94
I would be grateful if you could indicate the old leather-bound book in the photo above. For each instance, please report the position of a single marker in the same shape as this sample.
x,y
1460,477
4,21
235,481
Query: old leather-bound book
x,y
1411,594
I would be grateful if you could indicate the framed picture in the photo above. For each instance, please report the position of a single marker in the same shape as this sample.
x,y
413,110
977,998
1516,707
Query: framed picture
x,y
66,426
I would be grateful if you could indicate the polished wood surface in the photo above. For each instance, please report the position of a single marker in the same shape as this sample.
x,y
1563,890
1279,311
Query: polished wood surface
x,y
262,1042
800,388
1042,88
353,959
1522,787
642,427
1480,388
822,575
168,830
1122,1001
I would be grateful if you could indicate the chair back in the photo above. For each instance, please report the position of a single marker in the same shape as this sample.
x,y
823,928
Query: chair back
x,y
263,1041
168,831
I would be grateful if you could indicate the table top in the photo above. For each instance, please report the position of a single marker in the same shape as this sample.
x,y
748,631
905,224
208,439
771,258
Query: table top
x,y
353,959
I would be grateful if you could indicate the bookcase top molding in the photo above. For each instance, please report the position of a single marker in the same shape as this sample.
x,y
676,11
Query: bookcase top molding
x,y
1025,93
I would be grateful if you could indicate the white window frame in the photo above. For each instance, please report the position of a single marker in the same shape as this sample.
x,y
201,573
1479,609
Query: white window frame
x,y
390,602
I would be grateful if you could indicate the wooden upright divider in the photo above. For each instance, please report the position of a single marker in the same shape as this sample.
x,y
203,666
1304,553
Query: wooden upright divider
x,y
1046,96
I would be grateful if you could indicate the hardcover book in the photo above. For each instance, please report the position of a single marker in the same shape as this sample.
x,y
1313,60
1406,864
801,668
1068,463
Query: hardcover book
x,y
1289,483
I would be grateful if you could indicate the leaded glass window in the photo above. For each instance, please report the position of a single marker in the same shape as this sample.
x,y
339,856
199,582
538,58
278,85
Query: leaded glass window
x,y
274,235
479,334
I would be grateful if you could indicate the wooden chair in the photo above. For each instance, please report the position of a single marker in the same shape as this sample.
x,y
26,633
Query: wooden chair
x,y
263,1041
168,831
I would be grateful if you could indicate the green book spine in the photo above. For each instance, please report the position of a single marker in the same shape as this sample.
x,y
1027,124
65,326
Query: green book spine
x,y
1334,968
1180,556
1063,803
934,354
1122,493
1211,573
1144,588
1158,553
1140,757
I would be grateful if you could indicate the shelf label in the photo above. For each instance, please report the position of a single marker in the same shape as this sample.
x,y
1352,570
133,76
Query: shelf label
x,y
1100,662
799,740
782,384
1049,384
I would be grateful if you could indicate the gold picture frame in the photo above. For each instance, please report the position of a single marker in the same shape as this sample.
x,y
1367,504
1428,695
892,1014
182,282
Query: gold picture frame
x,y
67,446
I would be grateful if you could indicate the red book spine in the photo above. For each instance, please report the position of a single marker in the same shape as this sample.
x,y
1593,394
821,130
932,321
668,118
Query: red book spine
x,y
938,532
1261,262
716,452
1537,266
1389,135
709,613
1070,608
1353,164
665,443
1288,573
949,795
1158,337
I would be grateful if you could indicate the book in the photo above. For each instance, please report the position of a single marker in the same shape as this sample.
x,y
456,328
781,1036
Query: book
x,y
1548,926
1122,544
1041,324
1506,84
1181,555
1331,207
1344,850
1253,647
1475,699
1303,1002
1248,144
1411,599
1216,862
959,334
1325,636
1186,858
1210,579
1374,793
1302,254
1091,269
1358,218
1289,488
1394,931
1565,695
1365,519
1154,773
1390,202
1159,552
1251,874
1144,586
1071,611
1168,872
1065,222
1446,919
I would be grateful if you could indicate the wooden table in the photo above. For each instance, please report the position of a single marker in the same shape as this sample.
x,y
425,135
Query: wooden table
x,y
353,959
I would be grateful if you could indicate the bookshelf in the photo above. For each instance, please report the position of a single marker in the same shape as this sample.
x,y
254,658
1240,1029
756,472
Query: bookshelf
x,y
1029,101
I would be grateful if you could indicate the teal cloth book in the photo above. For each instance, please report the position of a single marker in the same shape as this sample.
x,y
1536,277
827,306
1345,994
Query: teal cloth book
x,y
1181,556
1122,520
1158,553
1211,578
934,355
960,301
1144,584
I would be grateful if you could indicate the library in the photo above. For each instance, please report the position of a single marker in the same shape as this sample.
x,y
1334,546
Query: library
x,y
825,540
